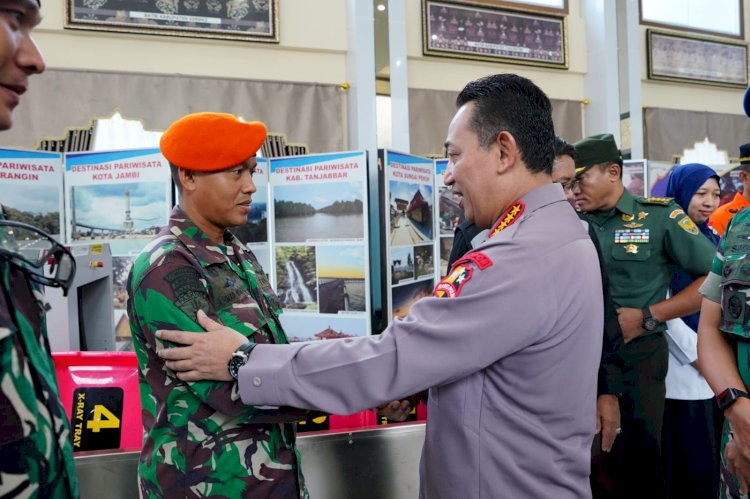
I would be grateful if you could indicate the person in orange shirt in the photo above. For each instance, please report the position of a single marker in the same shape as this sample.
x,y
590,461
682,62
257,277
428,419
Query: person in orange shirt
x,y
724,213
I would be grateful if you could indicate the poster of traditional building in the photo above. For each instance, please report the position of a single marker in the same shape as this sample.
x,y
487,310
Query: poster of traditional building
x,y
122,198
410,229
31,188
317,214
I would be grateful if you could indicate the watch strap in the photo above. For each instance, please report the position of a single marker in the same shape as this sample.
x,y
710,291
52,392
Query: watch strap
x,y
239,358
729,396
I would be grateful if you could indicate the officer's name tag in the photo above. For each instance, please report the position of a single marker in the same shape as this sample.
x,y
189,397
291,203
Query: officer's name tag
x,y
625,236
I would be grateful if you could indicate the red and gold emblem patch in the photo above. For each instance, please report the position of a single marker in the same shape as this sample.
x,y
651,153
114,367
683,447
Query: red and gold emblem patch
x,y
452,284
460,274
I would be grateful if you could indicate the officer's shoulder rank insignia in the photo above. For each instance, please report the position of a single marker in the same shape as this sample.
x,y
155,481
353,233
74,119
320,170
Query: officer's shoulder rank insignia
x,y
688,225
461,272
660,201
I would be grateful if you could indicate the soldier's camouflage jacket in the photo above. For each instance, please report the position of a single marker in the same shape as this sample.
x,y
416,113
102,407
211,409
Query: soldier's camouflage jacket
x,y
199,438
36,456
728,283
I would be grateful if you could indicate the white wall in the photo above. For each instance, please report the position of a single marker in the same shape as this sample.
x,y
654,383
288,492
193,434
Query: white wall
x,y
312,47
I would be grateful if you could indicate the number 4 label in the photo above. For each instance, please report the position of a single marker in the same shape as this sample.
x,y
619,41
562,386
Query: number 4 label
x,y
103,419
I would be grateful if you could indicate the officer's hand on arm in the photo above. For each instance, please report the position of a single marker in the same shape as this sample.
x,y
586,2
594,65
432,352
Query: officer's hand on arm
x,y
396,410
607,419
631,323
206,356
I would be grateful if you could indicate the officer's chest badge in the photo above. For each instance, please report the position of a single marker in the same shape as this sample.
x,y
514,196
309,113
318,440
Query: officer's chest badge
x,y
627,218
626,236
633,225
631,248
642,215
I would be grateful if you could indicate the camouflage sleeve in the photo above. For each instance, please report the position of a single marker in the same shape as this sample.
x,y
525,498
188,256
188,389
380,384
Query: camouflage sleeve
x,y
711,287
169,297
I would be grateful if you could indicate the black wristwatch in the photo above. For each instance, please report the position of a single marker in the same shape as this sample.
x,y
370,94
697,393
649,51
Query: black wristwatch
x,y
239,358
649,323
729,397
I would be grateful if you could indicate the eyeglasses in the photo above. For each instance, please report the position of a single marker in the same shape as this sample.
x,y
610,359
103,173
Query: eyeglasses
x,y
570,185
30,248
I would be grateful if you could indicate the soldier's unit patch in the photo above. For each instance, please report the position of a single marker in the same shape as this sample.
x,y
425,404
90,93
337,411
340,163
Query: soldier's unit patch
x,y
676,213
189,294
452,284
688,225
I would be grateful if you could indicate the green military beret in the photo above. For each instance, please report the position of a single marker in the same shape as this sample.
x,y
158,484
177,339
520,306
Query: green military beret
x,y
595,150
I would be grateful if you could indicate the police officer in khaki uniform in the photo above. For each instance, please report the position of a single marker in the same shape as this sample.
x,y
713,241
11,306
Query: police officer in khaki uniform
x,y
642,239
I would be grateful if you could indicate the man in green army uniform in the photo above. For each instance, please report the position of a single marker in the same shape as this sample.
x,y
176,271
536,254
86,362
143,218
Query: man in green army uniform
x,y
200,439
642,239
36,456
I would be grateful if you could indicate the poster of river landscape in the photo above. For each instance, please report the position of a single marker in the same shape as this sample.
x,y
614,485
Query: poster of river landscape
x,y
31,186
318,230
448,216
409,204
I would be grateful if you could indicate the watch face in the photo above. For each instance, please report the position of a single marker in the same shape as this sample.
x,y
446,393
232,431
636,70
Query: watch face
x,y
650,324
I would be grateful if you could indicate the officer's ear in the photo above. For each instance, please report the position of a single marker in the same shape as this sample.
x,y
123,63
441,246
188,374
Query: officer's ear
x,y
613,171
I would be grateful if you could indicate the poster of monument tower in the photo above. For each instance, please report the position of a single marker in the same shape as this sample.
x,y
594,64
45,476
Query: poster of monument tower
x,y
118,197
318,231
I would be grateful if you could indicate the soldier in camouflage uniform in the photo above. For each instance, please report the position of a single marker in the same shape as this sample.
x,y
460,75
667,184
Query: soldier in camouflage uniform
x,y
724,349
200,440
36,456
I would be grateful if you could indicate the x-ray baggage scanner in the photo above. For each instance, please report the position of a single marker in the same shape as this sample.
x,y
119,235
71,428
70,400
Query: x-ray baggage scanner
x,y
84,320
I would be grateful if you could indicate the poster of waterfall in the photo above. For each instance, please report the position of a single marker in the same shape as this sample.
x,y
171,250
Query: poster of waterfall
x,y
31,188
448,216
318,231
121,198
254,234
409,228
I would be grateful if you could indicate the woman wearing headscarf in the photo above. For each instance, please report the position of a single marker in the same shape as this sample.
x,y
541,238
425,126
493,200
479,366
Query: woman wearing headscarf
x,y
692,422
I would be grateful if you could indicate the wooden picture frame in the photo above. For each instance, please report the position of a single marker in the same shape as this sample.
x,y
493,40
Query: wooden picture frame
x,y
475,30
244,20
693,59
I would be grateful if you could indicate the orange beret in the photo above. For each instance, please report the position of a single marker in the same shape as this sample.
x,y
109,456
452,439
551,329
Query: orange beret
x,y
211,142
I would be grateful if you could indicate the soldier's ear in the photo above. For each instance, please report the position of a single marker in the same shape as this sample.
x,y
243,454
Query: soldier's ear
x,y
187,179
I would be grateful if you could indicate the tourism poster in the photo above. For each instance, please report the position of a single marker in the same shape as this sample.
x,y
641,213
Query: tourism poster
x,y
409,227
254,234
319,241
448,216
31,187
122,198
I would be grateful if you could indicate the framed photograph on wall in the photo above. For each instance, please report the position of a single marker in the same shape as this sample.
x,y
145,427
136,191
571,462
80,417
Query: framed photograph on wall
x,y
673,57
246,20
473,30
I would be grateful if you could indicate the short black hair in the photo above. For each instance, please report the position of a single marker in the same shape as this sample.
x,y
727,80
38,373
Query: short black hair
x,y
512,103
564,148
